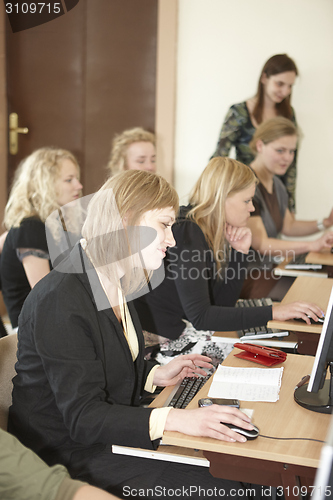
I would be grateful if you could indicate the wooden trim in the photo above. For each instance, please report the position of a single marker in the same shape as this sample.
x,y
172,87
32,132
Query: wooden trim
x,y
3,117
167,24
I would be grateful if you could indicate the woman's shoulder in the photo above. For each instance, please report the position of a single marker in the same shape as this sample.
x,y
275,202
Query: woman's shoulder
x,y
281,191
183,219
33,220
240,108
187,230
239,114
278,185
31,231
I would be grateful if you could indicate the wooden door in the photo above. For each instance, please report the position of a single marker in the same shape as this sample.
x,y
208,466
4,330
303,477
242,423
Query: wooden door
x,y
77,80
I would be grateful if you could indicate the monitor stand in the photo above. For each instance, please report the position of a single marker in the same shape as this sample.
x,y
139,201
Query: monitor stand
x,y
322,401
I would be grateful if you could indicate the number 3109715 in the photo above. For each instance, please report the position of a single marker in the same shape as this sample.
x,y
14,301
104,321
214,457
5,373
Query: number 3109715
x,y
33,8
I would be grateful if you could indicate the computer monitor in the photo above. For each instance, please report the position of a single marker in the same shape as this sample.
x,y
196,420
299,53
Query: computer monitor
x,y
317,395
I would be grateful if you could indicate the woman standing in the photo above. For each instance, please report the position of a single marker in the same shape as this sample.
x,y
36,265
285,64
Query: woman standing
x,y
45,181
273,98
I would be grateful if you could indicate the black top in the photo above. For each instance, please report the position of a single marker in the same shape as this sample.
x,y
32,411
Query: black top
x,y
76,386
192,291
15,285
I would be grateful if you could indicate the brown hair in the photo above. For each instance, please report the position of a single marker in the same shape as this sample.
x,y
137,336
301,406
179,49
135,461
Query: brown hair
x,y
280,63
128,194
271,130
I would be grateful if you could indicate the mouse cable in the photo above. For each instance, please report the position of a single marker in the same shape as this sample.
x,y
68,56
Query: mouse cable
x,y
292,439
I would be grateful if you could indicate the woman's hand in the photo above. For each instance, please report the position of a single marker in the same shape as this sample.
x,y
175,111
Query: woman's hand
x,y
207,422
187,365
240,238
325,241
297,310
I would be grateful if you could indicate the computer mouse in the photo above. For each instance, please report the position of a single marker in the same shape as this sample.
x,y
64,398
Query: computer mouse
x,y
248,434
313,322
320,320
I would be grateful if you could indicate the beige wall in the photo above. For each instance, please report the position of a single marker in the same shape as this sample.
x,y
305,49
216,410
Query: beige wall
x,y
222,46
166,86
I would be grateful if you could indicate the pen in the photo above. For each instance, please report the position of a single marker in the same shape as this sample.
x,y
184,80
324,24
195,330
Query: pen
x,y
304,380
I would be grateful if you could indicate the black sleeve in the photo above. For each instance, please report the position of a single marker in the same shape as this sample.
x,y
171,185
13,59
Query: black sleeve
x,y
30,234
68,342
196,285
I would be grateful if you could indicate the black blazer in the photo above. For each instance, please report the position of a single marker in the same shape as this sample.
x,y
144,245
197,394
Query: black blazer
x,y
77,387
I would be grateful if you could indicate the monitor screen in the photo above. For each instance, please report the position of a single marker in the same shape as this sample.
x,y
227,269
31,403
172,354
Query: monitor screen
x,y
317,394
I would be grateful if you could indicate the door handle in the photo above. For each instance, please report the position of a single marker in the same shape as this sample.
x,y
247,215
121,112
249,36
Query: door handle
x,y
14,130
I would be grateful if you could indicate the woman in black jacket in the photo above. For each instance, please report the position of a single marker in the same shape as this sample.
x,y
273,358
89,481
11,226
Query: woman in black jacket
x,y
81,371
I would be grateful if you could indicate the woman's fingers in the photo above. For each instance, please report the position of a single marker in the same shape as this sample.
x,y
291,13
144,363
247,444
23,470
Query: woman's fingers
x,y
208,422
297,310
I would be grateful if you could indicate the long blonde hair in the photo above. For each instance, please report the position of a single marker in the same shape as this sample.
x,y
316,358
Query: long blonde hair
x,y
120,144
33,193
222,178
127,195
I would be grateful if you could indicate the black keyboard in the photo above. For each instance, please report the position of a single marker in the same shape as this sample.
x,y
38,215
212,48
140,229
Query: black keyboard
x,y
183,392
299,262
259,332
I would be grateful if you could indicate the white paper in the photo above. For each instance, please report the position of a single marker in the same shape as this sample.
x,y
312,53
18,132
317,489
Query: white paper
x,y
247,384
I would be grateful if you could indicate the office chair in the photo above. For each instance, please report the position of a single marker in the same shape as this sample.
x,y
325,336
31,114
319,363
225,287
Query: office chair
x,y
8,348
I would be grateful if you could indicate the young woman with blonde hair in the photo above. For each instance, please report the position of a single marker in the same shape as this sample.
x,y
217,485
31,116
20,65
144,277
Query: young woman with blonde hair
x,y
133,149
274,145
273,98
45,181
81,370
206,268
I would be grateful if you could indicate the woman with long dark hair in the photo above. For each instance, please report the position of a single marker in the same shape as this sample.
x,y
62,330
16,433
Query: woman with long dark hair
x,y
273,98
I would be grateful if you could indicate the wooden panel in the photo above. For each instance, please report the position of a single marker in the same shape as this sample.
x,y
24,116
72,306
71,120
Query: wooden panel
x,y
45,84
79,79
3,118
120,77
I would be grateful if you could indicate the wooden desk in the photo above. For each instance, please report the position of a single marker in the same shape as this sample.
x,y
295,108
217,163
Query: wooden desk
x,y
306,289
266,461
324,257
